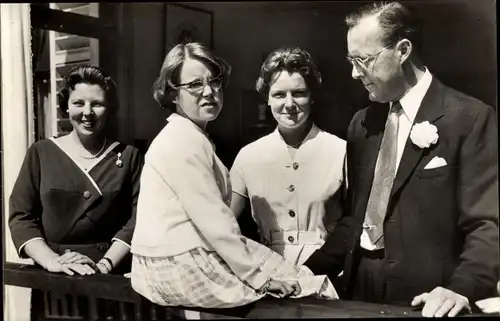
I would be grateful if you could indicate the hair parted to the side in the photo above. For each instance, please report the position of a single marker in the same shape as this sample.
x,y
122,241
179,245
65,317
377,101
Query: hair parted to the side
x,y
91,75
164,87
291,59
396,21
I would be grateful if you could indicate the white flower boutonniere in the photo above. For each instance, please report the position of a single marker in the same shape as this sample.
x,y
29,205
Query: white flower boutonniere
x,y
424,134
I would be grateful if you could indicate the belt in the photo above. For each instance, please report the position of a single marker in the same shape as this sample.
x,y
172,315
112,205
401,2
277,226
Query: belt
x,y
94,250
375,254
295,238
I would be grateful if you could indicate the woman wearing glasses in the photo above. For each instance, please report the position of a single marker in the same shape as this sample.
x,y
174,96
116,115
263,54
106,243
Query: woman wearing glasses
x,y
293,178
187,247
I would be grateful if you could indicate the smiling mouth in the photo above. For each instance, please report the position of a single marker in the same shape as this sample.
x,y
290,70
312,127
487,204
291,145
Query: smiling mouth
x,y
88,124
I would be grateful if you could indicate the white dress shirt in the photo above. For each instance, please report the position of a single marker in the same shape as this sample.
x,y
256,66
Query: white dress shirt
x,y
294,200
410,104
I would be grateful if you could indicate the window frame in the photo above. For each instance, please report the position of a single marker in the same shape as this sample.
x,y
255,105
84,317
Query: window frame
x,y
105,28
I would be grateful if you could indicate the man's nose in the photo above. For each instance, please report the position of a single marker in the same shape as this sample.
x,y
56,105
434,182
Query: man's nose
x,y
356,73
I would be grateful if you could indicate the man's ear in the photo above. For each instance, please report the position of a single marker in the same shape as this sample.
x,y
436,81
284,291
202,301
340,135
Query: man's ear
x,y
405,48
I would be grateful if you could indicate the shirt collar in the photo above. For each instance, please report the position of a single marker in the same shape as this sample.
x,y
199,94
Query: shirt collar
x,y
174,117
413,98
312,133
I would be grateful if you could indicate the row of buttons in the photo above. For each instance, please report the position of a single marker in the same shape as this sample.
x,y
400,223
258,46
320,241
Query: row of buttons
x,y
291,188
292,214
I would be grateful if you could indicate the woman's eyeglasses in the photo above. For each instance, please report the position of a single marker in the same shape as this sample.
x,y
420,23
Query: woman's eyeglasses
x,y
197,86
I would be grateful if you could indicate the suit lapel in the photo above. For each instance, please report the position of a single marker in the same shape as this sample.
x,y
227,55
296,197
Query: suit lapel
x,y
431,109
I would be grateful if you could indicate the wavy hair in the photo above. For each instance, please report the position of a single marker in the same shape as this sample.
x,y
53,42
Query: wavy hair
x,y
291,59
92,75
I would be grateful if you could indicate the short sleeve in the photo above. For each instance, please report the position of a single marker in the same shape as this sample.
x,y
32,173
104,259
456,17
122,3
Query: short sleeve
x,y
238,183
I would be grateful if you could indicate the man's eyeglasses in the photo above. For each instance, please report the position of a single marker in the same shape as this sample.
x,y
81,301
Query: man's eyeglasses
x,y
363,63
198,85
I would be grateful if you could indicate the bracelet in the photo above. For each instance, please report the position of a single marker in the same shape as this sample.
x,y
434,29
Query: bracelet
x,y
107,259
104,265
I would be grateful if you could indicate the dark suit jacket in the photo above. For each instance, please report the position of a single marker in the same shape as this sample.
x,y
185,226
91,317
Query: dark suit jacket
x,y
441,228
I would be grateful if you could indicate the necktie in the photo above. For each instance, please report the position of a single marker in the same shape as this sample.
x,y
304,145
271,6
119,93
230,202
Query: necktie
x,y
385,172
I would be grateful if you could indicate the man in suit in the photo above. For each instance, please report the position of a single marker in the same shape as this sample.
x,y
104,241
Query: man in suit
x,y
422,223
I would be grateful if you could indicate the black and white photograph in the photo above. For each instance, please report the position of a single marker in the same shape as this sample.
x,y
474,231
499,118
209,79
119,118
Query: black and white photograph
x,y
249,160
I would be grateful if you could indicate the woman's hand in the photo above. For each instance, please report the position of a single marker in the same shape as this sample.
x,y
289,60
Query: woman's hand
x,y
70,257
490,305
54,265
281,288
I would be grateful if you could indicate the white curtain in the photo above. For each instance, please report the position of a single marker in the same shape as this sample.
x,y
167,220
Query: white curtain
x,y
17,130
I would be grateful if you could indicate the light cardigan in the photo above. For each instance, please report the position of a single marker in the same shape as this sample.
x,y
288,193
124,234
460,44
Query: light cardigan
x,y
184,202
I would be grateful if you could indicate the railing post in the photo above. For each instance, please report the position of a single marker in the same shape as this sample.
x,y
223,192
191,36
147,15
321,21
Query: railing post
x,y
74,303
138,310
123,311
154,312
64,305
108,310
93,313
46,304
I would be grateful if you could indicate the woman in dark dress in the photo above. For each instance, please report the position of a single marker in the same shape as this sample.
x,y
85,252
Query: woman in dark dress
x,y
72,208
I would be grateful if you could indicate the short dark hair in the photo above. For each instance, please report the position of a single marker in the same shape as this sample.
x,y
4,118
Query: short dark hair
x,y
91,75
291,59
396,21
164,86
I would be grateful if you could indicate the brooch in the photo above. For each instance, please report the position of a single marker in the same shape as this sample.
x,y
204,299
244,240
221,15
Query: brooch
x,y
119,161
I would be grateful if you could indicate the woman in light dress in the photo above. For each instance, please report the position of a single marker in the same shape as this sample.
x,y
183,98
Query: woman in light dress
x,y
293,178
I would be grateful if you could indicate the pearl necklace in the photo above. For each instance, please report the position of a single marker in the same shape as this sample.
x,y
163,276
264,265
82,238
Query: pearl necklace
x,y
97,154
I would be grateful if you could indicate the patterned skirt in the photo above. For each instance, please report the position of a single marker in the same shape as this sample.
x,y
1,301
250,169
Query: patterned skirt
x,y
201,278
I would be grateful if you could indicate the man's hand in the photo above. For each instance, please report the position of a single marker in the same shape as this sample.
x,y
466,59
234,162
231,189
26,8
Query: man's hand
x,y
441,301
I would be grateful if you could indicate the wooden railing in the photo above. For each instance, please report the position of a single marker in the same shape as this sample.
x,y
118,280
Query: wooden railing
x,y
116,293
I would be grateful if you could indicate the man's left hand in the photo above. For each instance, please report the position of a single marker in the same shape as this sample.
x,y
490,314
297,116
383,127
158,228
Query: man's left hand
x,y
441,301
